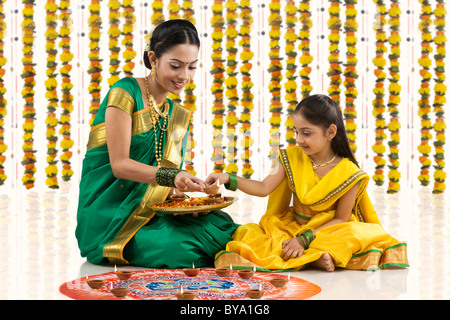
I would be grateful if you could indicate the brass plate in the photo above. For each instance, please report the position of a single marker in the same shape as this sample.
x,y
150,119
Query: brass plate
x,y
186,210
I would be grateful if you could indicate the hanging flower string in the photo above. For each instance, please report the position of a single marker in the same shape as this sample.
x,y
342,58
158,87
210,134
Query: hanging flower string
x,y
231,85
114,34
66,87
189,97
379,106
128,54
28,74
291,68
425,92
275,68
350,72
52,97
394,96
174,13
157,15
3,60
218,109
439,98
306,58
246,85
334,71
95,66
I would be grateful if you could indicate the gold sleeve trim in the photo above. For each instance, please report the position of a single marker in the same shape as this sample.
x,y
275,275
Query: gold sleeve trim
x,y
121,99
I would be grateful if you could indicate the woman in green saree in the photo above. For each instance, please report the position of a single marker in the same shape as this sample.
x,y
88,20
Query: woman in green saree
x,y
330,221
134,157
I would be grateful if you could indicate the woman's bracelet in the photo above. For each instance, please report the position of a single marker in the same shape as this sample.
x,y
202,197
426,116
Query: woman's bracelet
x,y
308,238
233,184
166,176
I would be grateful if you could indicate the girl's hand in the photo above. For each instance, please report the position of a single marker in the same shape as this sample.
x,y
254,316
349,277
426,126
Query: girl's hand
x,y
186,182
292,248
217,179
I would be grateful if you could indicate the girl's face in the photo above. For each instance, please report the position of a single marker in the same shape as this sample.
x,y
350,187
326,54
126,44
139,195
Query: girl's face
x,y
311,138
175,68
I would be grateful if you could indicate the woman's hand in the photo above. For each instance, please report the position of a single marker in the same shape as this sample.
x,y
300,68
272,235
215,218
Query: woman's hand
x,y
186,182
292,248
215,179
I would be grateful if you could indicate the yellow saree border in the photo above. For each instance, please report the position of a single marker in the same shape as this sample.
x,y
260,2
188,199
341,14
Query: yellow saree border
x,y
178,123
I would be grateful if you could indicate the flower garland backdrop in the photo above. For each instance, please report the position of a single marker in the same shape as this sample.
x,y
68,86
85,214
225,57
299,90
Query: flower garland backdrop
x,y
383,63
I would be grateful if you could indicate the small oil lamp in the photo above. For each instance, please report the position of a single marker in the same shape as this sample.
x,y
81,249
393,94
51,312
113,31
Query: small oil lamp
x,y
122,274
185,295
247,274
255,293
224,272
119,292
280,282
95,283
191,272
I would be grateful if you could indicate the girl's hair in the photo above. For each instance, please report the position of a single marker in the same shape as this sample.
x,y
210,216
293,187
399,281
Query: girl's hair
x,y
321,110
170,33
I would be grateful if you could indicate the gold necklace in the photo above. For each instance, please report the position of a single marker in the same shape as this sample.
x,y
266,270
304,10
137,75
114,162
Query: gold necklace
x,y
155,114
315,165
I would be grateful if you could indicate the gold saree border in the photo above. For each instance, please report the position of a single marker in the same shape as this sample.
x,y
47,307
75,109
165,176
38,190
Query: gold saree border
x,y
393,256
113,251
122,99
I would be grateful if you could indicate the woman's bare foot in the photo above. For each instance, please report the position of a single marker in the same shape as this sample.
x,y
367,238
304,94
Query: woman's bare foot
x,y
324,262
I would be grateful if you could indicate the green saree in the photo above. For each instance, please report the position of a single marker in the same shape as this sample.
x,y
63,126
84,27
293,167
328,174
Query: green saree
x,y
115,222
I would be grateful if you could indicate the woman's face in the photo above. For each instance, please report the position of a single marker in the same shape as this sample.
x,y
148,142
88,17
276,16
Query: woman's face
x,y
311,138
175,68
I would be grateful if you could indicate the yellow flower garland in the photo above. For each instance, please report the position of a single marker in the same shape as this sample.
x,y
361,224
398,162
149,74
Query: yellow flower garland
x,y
439,99
350,72
231,85
66,87
306,58
394,96
129,54
114,34
378,103
29,112
334,71
424,91
189,98
275,68
174,13
246,86
3,102
95,66
51,84
218,109
157,15
291,69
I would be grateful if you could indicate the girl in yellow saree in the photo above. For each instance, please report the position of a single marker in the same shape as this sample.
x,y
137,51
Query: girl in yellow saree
x,y
330,221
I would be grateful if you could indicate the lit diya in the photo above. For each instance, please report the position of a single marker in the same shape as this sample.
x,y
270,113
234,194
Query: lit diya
x,y
185,295
255,293
95,283
279,282
191,272
123,275
224,272
246,274
213,189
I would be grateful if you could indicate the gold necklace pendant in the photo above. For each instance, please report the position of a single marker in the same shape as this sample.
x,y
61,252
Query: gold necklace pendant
x,y
315,165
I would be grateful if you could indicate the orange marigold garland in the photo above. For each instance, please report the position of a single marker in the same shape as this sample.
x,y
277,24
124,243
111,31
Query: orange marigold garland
x,y
157,15
189,97
231,85
304,46
425,92
66,87
291,68
128,54
28,74
52,97
174,13
218,109
394,96
114,34
439,98
379,106
350,72
246,85
95,66
275,68
3,146
334,71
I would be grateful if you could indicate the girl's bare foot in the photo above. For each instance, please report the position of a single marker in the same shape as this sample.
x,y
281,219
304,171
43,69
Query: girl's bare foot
x,y
324,262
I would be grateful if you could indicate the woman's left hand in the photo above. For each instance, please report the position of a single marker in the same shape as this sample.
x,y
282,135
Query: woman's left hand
x,y
292,248
186,182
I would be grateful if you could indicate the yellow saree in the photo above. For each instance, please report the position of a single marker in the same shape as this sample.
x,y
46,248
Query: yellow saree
x,y
359,244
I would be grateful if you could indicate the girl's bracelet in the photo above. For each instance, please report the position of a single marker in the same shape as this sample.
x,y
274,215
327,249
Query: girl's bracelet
x,y
306,238
233,184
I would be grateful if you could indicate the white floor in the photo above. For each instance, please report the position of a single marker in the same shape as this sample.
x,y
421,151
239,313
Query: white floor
x,y
38,250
